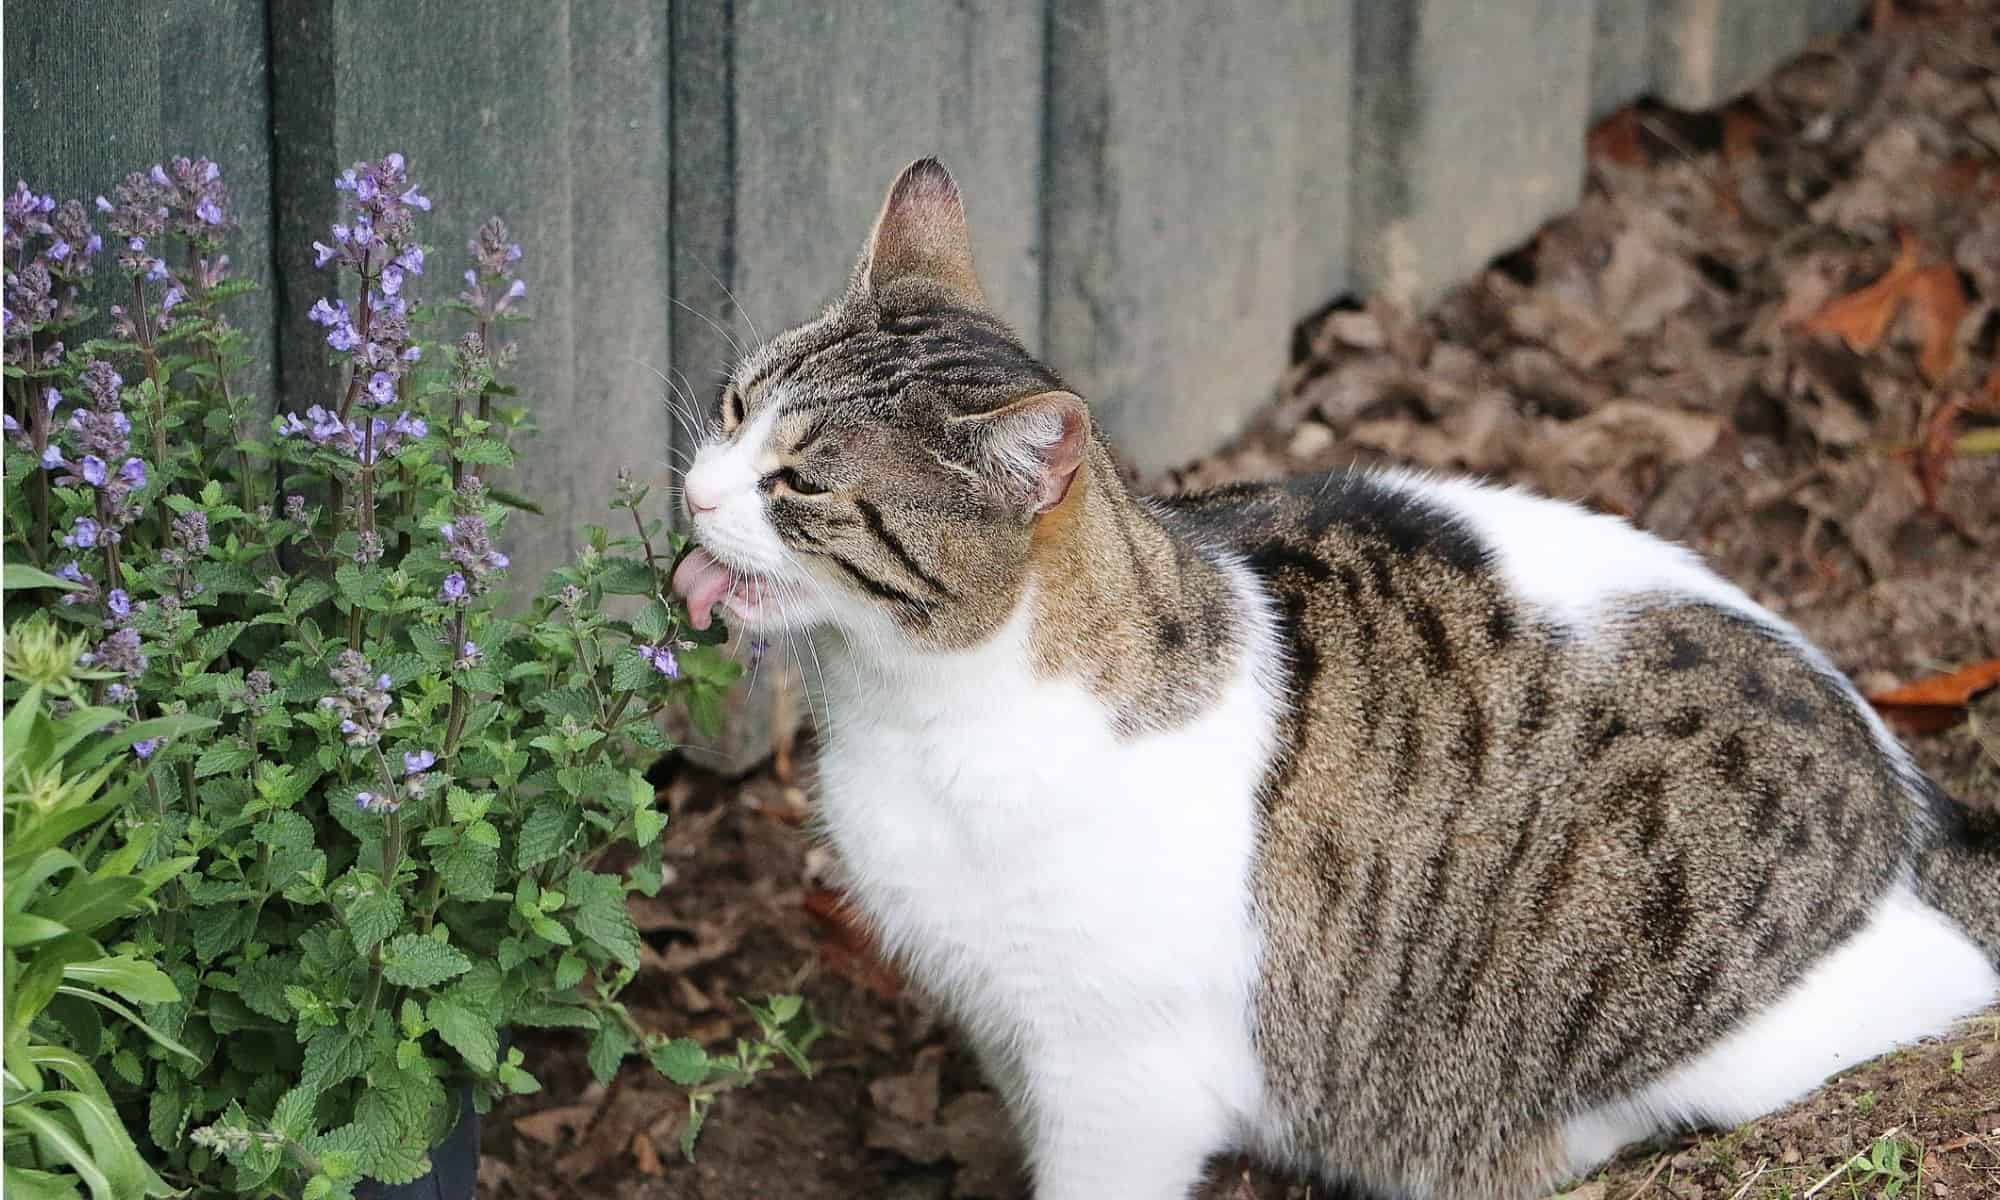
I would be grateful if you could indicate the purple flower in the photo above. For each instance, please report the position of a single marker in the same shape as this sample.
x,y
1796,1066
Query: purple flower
x,y
132,473
119,602
209,211
392,279
323,254
422,760
382,387
469,655
364,800
118,693
363,699
343,337
454,588
52,458
92,470
145,746
411,259
159,175
661,659
82,535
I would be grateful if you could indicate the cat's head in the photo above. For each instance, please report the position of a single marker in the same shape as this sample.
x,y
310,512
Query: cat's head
x,y
884,468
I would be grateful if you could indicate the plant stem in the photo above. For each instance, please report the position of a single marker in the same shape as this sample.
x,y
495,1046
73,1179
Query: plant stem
x,y
145,337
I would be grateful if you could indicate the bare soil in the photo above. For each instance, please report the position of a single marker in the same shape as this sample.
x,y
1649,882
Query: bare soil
x,y
1684,349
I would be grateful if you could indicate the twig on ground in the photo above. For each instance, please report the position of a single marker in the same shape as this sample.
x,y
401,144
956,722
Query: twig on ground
x,y
1848,1164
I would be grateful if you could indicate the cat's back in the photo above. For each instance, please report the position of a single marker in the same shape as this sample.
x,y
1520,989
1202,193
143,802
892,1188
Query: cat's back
x,y
1555,808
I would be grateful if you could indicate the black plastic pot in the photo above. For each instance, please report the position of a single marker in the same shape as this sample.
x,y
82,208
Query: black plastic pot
x,y
454,1173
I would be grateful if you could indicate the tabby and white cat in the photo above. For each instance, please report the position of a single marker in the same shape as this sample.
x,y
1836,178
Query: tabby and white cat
x,y
1419,835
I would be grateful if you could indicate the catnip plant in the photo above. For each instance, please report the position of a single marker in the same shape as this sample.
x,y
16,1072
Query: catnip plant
x,y
414,825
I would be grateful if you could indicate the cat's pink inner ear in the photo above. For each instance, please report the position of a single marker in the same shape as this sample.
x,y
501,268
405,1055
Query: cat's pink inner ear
x,y
922,234
1033,447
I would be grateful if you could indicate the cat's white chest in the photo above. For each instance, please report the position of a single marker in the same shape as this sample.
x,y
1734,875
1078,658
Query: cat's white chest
x,y
1040,874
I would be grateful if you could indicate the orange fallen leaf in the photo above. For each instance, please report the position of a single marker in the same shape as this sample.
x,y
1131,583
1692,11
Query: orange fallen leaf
x,y
1992,388
1938,300
1615,139
1740,127
645,1153
846,947
1933,703
1862,317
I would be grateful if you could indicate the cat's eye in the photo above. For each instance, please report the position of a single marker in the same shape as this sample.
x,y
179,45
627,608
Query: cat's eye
x,y
732,409
792,482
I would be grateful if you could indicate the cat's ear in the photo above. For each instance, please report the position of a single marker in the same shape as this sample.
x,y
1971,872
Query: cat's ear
x,y
1031,449
921,233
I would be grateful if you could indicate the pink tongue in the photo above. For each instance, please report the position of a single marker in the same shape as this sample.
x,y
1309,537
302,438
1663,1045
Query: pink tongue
x,y
702,581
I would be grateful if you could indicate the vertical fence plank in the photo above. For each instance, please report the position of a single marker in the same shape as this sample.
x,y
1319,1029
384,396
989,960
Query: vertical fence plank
x,y
1621,55
1196,205
1708,51
552,116
96,90
1456,159
831,101
1833,16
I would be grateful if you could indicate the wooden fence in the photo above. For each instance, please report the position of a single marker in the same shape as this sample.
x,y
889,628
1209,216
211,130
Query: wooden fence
x,y
1159,190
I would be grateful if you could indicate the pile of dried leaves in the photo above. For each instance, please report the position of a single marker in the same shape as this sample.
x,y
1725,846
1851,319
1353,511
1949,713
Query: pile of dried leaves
x,y
1769,333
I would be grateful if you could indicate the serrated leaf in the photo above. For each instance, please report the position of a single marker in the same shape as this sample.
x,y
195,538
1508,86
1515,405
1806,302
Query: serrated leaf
x,y
305,594
608,1049
293,1114
647,824
393,1120
547,831
166,1109
602,917
468,869
284,830
566,702
569,971
653,621
682,1060
413,960
332,1056
472,1034
213,642
221,929
632,673
628,577
223,757
372,911
261,985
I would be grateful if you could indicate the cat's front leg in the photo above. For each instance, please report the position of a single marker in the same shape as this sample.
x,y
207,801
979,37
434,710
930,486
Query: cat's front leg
x,y
1124,1127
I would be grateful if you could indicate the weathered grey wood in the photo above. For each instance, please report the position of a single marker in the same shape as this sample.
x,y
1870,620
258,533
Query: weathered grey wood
x,y
97,89
831,101
1706,52
1621,56
1833,16
1196,203
553,116
1469,128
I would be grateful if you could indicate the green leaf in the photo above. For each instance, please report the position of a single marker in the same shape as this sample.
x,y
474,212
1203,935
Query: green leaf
x,y
139,982
261,985
214,641
653,621
485,452
602,917
372,912
223,757
307,594
393,1122
569,971
647,824
629,577
547,831
15,576
293,1115
682,1060
468,868
332,1056
220,929
608,1049
413,960
631,673
472,1034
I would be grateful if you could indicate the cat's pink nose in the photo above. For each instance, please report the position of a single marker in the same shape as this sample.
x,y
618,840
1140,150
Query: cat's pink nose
x,y
701,497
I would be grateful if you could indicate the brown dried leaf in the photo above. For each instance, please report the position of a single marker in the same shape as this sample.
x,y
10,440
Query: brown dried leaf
x,y
1938,303
549,1125
1861,318
846,948
911,1097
